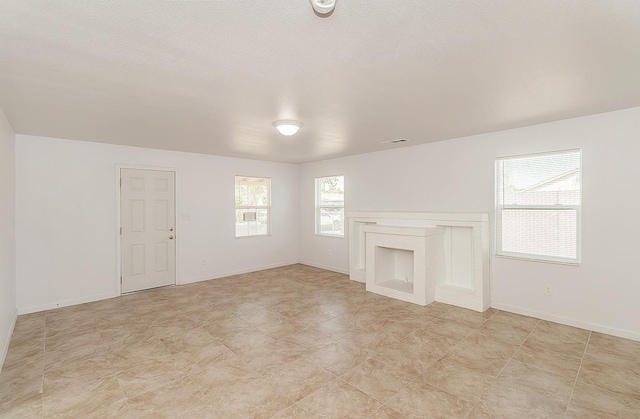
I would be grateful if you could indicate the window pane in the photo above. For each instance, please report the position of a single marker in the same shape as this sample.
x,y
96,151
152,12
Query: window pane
x,y
540,232
331,191
252,222
332,221
552,179
251,191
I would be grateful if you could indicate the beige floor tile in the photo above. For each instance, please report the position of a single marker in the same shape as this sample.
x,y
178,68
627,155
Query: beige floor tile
x,y
197,356
125,357
377,379
272,356
540,340
337,358
465,317
338,399
579,335
449,329
23,353
370,342
298,379
515,334
308,340
30,407
544,359
524,391
81,397
19,390
592,402
434,310
515,320
95,364
271,344
491,343
246,340
615,344
456,380
479,357
293,412
336,328
256,399
90,338
223,378
619,380
170,401
147,376
424,401
395,329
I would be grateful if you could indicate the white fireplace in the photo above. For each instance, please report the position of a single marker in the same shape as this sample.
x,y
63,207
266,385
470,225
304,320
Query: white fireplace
x,y
422,257
404,262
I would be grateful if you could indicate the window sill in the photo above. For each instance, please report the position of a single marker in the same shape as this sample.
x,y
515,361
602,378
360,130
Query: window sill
x,y
333,236
533,259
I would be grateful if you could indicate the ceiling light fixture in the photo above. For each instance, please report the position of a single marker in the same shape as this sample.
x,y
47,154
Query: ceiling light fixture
x,y
287,126
323,7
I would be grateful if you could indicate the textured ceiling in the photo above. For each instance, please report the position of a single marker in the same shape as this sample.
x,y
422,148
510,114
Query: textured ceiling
x,y
212,76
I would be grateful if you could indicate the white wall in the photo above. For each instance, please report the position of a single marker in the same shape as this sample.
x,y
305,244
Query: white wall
x,y
7,235
66,228
457,175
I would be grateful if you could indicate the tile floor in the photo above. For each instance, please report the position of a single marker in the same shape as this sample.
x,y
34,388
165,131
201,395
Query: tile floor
x,y
300,342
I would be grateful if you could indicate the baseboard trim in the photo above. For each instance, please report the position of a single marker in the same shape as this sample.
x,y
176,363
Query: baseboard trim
x,y
326,268
622,333
239,272
66,303
7,340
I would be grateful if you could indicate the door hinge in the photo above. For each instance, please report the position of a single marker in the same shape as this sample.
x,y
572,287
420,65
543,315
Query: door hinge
x,y
121,182
120,280
121,231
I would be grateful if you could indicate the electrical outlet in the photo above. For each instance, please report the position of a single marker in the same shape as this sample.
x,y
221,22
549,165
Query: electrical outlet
x,y
548,290
204,261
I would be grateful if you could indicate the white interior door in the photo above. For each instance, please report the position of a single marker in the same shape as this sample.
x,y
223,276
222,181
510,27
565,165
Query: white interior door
x,y
147,214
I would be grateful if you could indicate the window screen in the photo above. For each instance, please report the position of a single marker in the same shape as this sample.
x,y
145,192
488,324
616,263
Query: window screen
x,y
538,204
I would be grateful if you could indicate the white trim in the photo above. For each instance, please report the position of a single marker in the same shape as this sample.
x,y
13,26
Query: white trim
x,y
7,341
622,333
119,167
239,272
66,303
326,268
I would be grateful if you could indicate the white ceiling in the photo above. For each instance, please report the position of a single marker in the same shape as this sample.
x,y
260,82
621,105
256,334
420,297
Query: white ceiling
x,y
212,76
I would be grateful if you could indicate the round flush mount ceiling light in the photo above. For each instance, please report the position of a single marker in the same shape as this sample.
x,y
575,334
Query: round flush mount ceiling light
x,y
323,7
287,126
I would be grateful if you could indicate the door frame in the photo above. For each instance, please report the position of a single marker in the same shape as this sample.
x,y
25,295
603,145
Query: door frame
x,y
119,221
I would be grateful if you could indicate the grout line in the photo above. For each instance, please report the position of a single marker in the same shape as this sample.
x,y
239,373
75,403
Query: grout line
x,y
577,375
505,366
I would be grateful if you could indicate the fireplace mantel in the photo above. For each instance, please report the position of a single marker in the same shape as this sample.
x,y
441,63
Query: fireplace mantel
x,y
458,272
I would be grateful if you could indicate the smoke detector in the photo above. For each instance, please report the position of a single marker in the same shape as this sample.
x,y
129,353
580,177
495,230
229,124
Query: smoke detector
x,y
323,7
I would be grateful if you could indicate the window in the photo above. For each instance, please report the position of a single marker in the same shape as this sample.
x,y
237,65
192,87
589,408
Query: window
x,y
330,206
538,205
253,206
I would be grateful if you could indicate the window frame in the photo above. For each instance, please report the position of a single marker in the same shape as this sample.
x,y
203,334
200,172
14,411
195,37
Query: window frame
x,y
256,207
319,209
499,207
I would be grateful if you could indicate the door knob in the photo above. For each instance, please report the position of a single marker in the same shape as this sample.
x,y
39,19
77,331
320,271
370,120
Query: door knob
x,y
170,237
171,229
